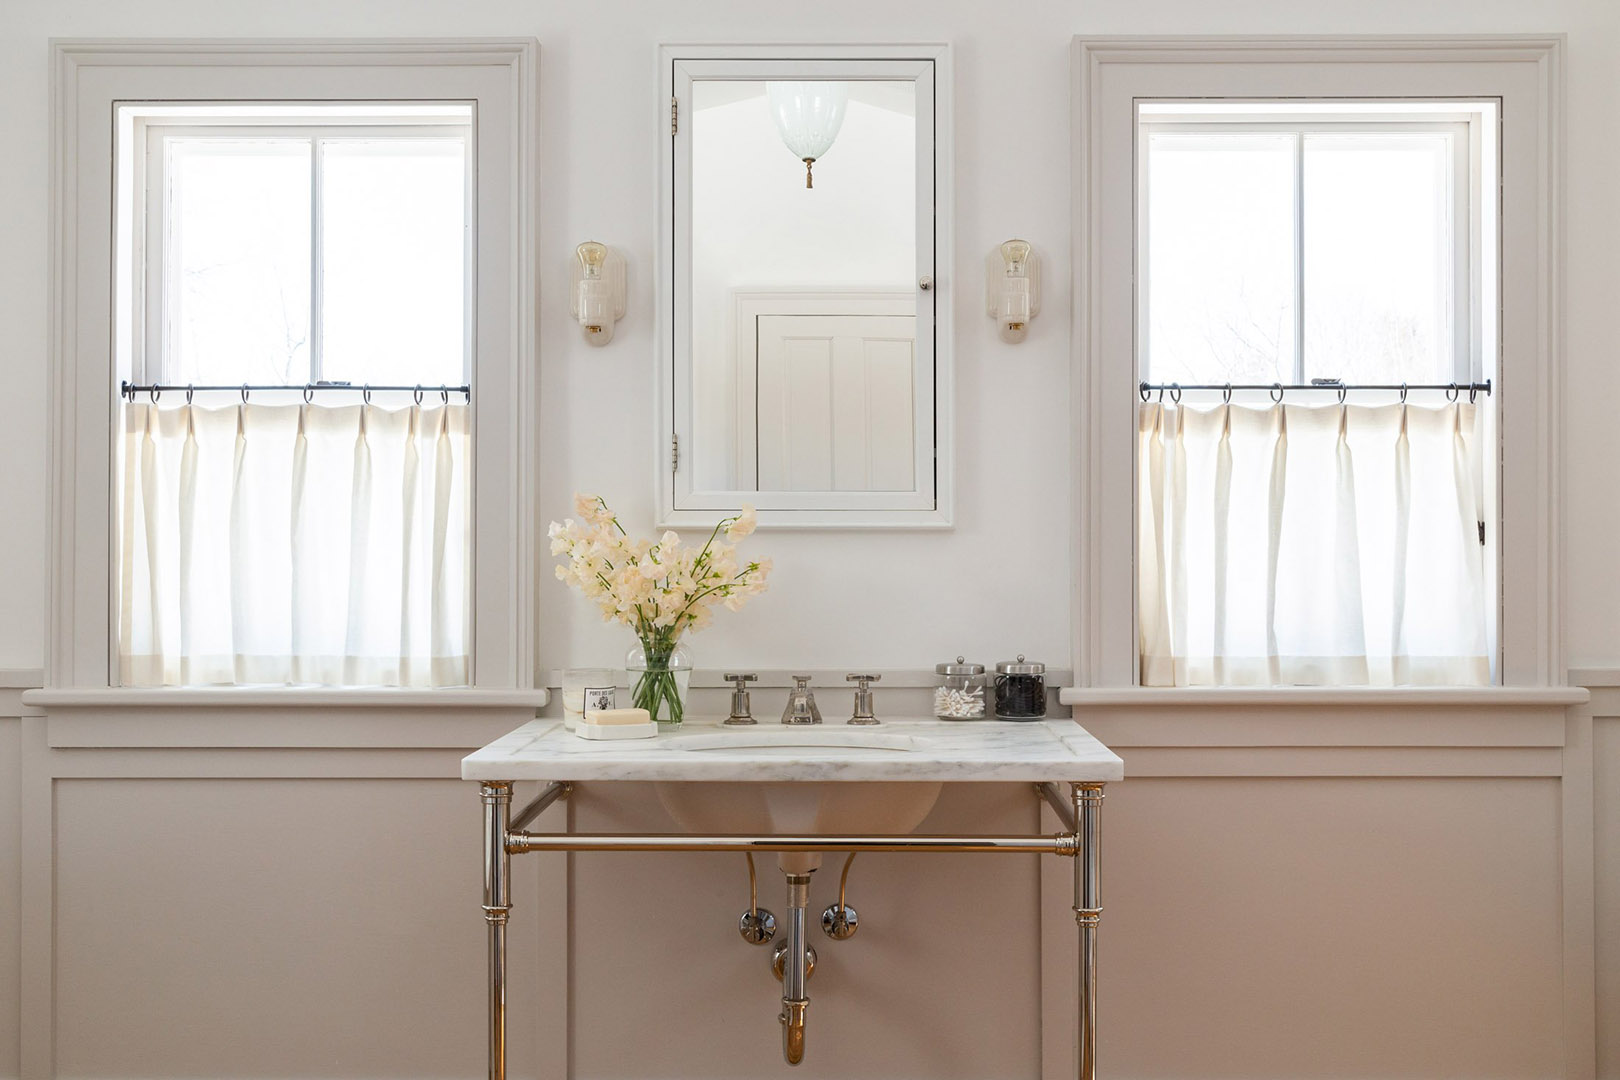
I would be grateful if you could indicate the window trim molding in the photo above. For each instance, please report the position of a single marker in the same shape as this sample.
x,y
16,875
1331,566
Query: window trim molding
x,y
1104,645
87,76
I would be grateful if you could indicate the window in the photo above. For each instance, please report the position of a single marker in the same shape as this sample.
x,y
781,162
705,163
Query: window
x,y
1324,251
1311,277
1328,243
282,521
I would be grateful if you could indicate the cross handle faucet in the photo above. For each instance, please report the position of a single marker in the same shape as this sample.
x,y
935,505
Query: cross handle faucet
x,y
863,713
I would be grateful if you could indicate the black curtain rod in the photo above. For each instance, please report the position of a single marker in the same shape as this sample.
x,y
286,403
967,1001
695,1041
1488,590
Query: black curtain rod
x,y
155,390
1277,390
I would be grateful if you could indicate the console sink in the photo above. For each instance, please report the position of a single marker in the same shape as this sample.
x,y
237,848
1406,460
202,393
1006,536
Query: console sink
x,y
818,780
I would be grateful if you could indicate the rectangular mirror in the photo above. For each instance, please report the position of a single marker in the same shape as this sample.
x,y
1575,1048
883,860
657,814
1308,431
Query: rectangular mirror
x,y
805,368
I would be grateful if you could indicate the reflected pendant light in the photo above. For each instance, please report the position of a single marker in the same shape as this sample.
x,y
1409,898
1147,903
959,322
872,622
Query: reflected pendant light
x,y
808,115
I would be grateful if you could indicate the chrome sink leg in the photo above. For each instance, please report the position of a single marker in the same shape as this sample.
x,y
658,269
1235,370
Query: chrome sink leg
x,y
795,996
497,799
1087,800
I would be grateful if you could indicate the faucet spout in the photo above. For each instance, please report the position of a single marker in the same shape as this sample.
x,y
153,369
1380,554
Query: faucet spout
x,y
801,706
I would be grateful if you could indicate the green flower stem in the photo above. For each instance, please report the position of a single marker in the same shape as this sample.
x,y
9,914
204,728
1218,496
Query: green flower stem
x,y
657,687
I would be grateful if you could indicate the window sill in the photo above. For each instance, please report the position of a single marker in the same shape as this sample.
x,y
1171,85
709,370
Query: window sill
x,y
1154,697
242,718
276,697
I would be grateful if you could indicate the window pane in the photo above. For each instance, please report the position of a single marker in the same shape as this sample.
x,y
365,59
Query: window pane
x,y
237,288
1378,258
1220,267
393,273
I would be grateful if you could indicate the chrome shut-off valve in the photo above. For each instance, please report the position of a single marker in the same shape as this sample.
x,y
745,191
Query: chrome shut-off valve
x,y
757,926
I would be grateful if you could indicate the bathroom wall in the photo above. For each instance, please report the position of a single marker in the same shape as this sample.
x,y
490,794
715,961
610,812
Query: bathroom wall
x,y
279,911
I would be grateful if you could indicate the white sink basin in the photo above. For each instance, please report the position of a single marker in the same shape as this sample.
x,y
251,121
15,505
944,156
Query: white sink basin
x,y
799,808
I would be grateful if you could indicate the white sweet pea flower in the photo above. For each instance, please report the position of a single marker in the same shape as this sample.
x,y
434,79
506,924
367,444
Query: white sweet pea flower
x,y
745,523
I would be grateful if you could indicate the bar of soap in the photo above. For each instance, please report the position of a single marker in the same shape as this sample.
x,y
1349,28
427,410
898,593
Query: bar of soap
x,y
616,717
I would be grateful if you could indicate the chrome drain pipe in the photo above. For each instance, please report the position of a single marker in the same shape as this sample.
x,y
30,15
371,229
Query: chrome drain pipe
x,y
795,996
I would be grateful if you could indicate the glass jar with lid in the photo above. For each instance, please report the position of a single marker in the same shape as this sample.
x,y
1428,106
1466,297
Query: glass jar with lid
x,y
959,690
1020,689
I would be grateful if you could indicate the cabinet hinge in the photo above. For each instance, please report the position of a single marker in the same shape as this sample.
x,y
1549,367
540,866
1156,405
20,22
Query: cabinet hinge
x,y
674,116
675,454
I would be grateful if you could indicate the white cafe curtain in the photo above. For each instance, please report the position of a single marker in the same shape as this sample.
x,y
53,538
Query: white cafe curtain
x,y
1299,545
294,544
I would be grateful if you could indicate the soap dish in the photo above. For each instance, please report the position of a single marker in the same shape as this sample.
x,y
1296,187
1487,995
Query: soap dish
x,y
616,731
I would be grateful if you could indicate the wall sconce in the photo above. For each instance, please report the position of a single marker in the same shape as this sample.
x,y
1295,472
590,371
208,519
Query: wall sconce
x,y
597,298
1012,280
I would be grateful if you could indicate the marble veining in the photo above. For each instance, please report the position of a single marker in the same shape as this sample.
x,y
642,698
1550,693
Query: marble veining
x,y
900,749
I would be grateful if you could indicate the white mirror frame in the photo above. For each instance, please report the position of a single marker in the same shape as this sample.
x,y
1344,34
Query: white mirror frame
x,y
928,505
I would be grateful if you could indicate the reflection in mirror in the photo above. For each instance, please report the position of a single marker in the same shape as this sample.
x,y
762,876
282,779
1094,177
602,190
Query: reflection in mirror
x,y
804,286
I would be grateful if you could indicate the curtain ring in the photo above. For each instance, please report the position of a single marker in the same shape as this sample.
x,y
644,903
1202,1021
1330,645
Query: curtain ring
x,y
1175,393
1226,394
244,393
444,394
1452,393
1473,390
1403,393
1344,392
1276,393
154,393
189,390
1142,389
1161,393
309,393
416,396
365,394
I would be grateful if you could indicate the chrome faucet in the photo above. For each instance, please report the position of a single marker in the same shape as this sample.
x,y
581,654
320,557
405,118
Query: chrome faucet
x,y
801,706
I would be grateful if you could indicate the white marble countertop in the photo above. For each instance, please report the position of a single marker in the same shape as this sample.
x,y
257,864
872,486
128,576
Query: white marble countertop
x,y
921,750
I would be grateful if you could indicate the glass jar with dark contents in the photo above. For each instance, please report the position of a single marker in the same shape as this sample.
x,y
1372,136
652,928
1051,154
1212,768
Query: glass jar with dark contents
x,y
1020,690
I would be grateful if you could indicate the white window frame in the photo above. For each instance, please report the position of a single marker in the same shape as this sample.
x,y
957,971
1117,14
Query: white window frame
x,y
90,80
151,277
1110,76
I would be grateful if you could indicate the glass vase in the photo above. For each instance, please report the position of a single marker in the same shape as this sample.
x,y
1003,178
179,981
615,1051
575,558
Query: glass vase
x,y
660,672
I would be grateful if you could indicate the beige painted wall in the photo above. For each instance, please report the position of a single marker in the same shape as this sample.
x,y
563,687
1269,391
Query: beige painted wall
x,y
230,915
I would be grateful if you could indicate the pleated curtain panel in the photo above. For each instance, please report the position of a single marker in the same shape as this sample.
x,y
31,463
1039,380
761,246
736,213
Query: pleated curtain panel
x,y
295,544
1300,545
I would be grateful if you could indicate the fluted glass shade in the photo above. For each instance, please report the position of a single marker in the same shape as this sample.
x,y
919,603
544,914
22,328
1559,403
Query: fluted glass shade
x,y
808,116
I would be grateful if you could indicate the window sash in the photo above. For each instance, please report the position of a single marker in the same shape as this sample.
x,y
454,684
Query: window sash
x,y
1467,346
151,360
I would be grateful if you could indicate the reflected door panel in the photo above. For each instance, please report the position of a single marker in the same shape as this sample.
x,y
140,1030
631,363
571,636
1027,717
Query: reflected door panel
x,y
834,402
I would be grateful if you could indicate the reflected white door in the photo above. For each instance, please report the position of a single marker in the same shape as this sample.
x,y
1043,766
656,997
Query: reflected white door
x,y
834,402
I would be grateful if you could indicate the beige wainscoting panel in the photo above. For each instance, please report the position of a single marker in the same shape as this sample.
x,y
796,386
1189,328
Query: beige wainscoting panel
x,y
940,982
278,927
1311,927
